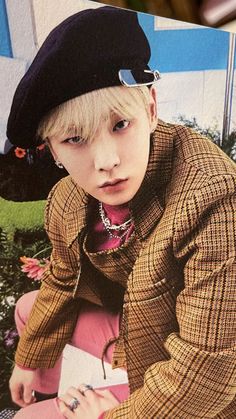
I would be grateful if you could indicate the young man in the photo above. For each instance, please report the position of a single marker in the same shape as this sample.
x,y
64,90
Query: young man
x,y
143,228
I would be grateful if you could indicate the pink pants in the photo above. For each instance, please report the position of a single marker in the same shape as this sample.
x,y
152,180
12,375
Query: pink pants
x,y
95,326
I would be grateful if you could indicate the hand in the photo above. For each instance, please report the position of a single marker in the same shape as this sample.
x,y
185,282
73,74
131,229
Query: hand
x,y
21,386
91,402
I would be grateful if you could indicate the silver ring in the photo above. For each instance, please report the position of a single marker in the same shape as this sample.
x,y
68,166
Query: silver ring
x,y
74,403
87,387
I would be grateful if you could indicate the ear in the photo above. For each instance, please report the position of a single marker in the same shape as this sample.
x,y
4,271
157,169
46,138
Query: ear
x,y
153,108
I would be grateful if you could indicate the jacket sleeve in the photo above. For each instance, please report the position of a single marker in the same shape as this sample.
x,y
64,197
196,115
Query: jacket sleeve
x,y
54,314
198,380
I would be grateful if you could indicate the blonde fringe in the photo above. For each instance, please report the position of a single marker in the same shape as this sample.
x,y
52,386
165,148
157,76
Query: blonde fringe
x,y
84,114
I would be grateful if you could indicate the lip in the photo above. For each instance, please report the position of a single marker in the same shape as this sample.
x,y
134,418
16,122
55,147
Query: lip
x,y
114,186
113,182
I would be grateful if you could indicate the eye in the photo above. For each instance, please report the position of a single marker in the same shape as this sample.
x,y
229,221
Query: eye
x,y
121,125
74,140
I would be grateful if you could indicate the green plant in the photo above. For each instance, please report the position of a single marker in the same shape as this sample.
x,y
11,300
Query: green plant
x,y
228,145
13,284
21,216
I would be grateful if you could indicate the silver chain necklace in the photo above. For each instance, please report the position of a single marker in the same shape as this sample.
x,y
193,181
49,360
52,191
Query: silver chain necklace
x,y
111,227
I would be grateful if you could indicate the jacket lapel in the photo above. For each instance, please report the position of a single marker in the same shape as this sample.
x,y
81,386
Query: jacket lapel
x,y
148,204
76,211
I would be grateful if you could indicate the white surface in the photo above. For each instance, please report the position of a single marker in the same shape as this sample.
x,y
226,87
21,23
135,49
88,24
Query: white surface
x,y
11,71
163,23
79,367
47,15
197,94
5,145
21,26
231,26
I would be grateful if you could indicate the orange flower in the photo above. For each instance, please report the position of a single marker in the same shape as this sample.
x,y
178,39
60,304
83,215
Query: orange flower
x,y
20,152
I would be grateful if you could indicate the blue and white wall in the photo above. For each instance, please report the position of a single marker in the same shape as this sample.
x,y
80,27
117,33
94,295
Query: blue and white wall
x,y
17,48
192,59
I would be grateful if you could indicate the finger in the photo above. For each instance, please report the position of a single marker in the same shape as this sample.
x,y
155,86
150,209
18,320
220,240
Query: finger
x,y
27,395
67,399
86,390
106,394
17,399
72,393
64,409
16,395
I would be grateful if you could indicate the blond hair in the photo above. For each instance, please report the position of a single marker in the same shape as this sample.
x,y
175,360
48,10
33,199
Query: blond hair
x,y
84,114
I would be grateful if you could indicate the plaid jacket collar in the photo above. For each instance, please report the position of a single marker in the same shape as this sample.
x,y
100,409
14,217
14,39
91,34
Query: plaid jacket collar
x,y
148,204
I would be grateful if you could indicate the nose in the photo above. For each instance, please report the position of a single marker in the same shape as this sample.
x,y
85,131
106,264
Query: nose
x,y
106,156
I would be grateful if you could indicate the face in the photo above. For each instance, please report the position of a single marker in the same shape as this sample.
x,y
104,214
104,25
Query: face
x,y
112,166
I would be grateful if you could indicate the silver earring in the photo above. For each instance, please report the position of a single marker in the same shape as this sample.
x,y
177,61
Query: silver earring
x,y
59,164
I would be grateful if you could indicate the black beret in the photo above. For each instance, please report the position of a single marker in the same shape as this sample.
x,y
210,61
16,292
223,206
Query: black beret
x,y
82,54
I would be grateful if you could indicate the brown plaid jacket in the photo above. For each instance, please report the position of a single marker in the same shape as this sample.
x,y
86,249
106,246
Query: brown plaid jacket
x,y
179,311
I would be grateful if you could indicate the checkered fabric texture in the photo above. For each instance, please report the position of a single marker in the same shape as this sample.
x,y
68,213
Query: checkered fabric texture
x,y
7,413
179,311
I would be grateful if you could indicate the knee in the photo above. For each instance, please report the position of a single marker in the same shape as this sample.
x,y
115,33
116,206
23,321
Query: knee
x,y
23,308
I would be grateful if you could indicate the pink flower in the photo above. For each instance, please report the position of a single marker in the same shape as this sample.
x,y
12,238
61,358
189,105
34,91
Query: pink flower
x,y
34,267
